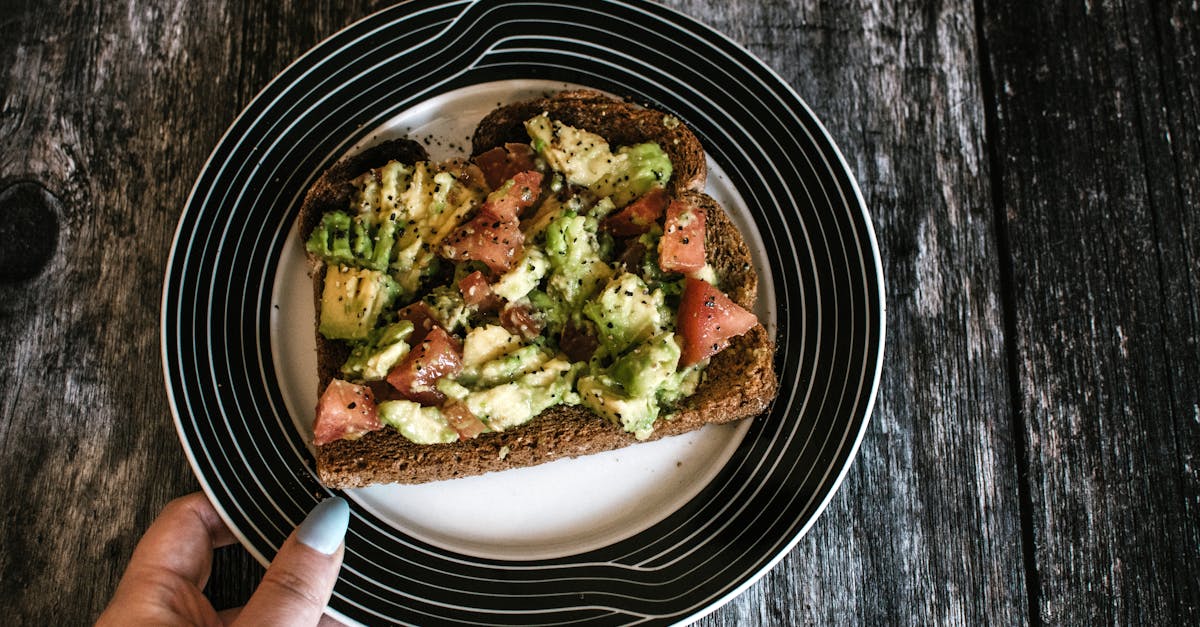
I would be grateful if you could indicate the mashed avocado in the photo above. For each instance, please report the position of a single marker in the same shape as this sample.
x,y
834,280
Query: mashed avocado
x,y
576,316
423,425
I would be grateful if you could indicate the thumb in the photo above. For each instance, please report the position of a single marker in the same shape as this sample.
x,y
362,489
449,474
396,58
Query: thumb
x,y
298,583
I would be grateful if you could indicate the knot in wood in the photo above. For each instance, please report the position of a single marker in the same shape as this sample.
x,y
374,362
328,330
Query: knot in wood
x,y
28,230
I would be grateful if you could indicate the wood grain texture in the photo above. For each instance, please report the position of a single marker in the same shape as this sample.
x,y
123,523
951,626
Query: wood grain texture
x,y
1043,309
113,108
925,529
92,113
1096,141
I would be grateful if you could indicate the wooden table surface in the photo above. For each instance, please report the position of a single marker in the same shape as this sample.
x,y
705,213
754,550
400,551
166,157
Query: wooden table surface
x,y
1032,173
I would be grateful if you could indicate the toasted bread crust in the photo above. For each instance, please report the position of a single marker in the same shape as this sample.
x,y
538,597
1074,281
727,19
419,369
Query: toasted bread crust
x,y
740,381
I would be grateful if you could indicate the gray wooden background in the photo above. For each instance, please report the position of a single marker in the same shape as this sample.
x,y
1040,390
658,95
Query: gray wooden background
x,y
1032,173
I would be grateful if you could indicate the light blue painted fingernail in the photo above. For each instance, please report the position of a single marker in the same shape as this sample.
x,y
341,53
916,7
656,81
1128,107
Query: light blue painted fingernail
x,y
325,527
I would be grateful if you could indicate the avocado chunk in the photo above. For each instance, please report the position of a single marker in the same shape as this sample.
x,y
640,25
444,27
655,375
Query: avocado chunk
x,y
340,239
671,283
352,301
554,370
507,367
574,251
487,343
379,192
636,169
382,241
551,209
422,425
417,197
553,385
627,312
517,402
585,158
384,348
635,414
331,239
449,307
681,384
643,370
400,192
452,388
412,260
581,156
502,406
516,283
551,312
402,213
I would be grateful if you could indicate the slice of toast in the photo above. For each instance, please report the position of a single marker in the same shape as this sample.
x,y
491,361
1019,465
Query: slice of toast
x,y
740,381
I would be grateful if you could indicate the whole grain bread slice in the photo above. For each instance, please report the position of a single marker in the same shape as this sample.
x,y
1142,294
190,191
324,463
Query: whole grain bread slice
x,y
740,381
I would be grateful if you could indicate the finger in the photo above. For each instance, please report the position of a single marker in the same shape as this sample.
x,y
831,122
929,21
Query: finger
x,y
299,581
181,540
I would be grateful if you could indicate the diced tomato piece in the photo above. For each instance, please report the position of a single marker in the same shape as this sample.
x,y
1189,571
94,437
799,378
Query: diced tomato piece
x,y
415,377
496,243
477,293
423,319
682,246
707,320
345,412
500,164
507,205
463,420
519,320
494,235
637,217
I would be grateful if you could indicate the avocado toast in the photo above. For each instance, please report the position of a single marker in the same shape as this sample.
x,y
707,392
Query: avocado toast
x,y
532,306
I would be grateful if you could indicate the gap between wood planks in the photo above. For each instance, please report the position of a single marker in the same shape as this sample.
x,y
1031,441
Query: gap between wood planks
x,y
987,80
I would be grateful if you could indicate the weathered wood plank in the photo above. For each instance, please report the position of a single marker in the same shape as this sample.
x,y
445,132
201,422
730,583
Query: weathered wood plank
x,y
925,529
85,432
113,108
1097,117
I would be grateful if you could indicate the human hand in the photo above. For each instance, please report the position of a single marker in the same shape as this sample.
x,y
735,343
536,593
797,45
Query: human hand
x,y
164,581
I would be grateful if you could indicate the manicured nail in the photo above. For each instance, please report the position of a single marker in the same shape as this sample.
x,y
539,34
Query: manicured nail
x,y
325,527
